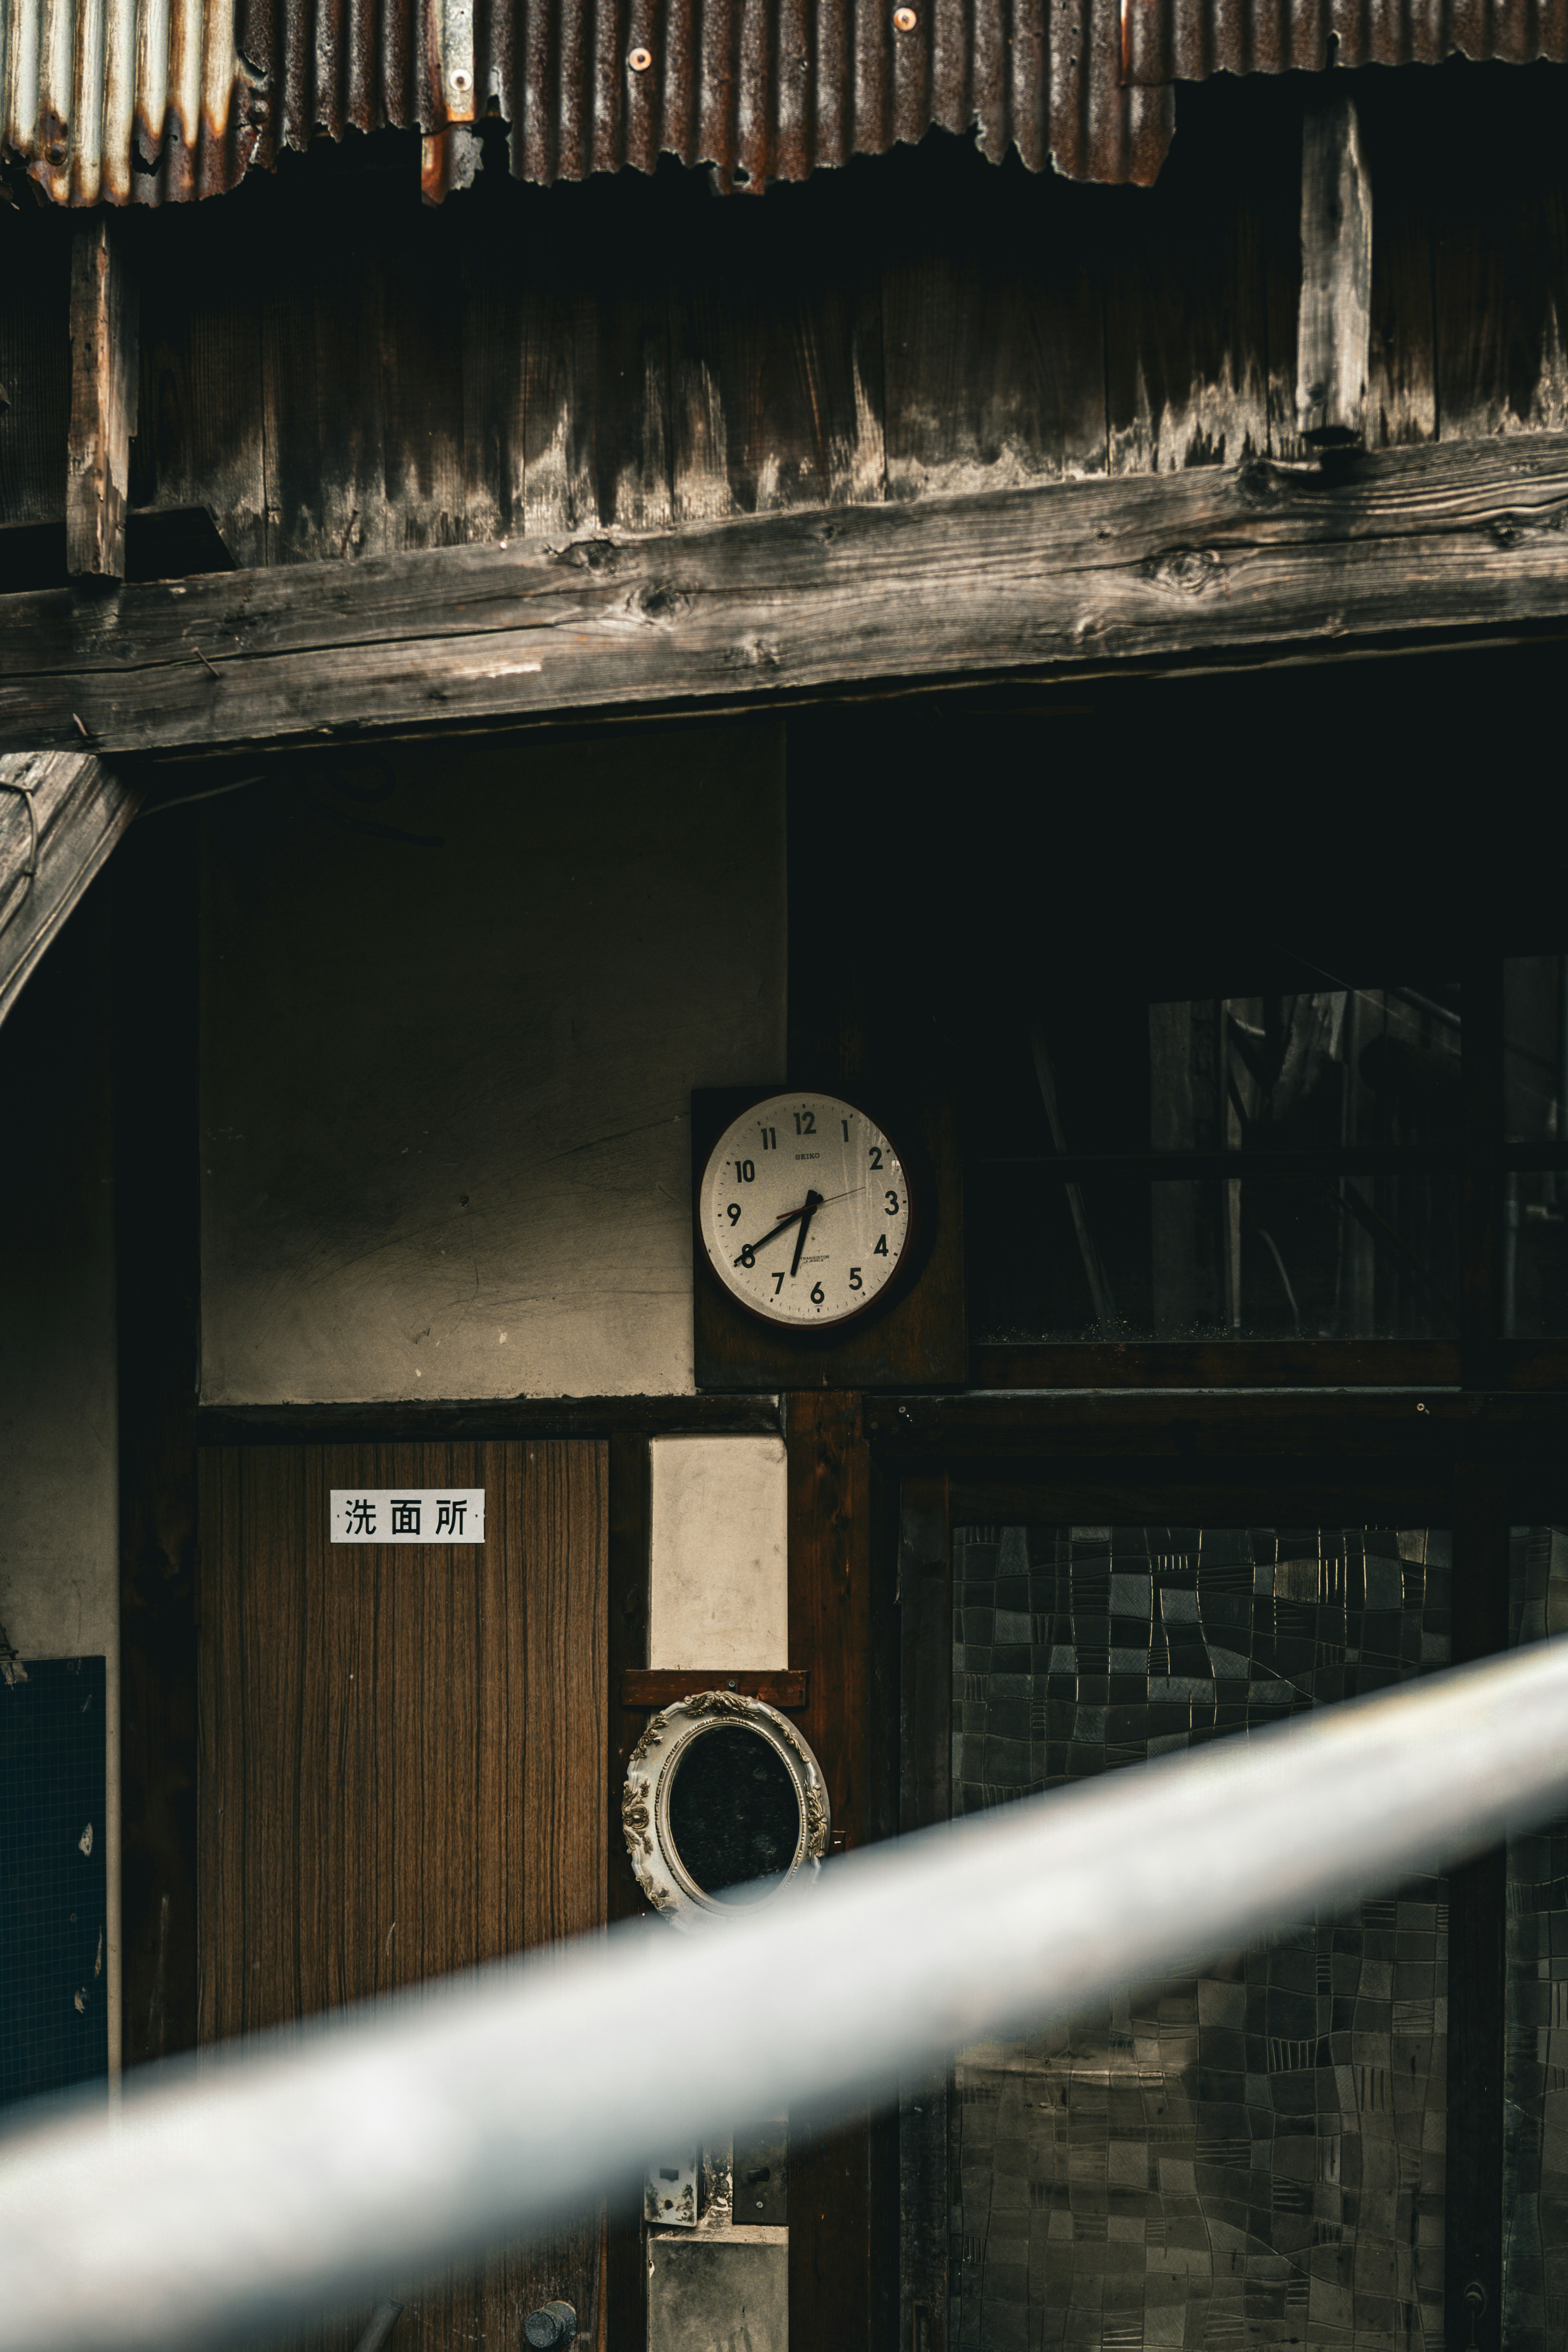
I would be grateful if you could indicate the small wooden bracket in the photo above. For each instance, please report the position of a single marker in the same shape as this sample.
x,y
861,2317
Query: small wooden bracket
x,y
655,1687
1335,327
103,332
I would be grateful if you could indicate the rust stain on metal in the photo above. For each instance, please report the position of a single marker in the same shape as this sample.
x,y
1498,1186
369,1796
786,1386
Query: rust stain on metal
x,y
1187,40
155,101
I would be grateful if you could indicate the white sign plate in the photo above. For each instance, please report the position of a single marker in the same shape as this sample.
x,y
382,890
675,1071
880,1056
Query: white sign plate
x,y
412,1515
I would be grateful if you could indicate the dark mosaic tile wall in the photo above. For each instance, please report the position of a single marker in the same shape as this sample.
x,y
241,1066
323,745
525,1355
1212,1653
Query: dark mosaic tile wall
x,y
1535,2080
1251,2153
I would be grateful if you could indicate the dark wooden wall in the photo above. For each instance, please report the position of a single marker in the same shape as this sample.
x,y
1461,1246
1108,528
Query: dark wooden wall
x,y
402,1763
338,372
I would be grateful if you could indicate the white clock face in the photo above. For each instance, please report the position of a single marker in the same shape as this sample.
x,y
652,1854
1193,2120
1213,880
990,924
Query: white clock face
x,y
804,1210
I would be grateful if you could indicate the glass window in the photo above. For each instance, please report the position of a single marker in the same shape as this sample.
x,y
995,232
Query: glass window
x,y
1294,1174
1535,1197
1250,2153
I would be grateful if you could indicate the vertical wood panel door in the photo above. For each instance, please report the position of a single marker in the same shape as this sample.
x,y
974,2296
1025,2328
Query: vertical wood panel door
x,y
403,1768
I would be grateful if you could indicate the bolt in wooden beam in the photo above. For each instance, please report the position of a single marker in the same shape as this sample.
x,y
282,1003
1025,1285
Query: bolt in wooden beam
x,y
103,320
1334,329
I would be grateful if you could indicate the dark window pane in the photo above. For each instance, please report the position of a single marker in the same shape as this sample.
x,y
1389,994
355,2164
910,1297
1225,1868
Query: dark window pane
x,y
1354,1235
1373,1254
1535,1255
1535,1067
1251,2153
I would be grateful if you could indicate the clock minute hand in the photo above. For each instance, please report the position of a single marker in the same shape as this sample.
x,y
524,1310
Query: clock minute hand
x,y
782,1226
813,1203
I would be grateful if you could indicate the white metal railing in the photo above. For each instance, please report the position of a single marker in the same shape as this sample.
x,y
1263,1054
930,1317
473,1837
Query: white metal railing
x,y
310,2168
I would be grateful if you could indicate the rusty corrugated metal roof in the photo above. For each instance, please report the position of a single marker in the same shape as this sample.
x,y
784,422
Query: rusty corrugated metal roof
x,y
150,100
1187,40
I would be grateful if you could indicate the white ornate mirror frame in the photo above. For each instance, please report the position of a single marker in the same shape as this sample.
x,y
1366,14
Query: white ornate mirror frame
x,y
650,1777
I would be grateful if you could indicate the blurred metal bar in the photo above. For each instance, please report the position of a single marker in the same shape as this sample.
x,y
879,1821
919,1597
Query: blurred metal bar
x,y
311,2168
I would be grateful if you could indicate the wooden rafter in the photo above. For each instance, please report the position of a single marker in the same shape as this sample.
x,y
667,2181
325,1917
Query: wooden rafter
x,y
1208,564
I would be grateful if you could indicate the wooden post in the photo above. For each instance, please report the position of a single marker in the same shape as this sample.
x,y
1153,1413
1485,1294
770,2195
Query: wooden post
x,y
103,404
1334,329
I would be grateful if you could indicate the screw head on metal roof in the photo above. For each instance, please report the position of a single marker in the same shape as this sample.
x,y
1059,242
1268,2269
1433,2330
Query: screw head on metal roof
x,y
905,19
641,60
462,79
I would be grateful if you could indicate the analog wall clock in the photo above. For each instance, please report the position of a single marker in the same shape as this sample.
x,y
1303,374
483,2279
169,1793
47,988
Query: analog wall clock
x,y
804,1211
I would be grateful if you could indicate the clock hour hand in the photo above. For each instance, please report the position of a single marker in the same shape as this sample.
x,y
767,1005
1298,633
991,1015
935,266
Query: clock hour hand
x,y
782,1226
813,1203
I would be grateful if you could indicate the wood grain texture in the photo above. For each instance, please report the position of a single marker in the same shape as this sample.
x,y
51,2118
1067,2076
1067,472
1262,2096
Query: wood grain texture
x,y
61,814
651,1686
1424,1432
34,364
1228,1364
1499,261
625,2263
403,1764
925,1786
993,333
1402,399
1478,1962
1187,316
834,1626
104,308
153,900
200,438
1334,321
775,352
1213,561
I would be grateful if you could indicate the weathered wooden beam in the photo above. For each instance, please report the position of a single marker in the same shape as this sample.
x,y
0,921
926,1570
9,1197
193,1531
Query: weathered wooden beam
x,y
61,813
103,322
1204,564
1333,335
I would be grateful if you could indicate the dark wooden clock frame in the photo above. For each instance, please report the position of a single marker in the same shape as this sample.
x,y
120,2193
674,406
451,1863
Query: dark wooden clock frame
x,y
911,1337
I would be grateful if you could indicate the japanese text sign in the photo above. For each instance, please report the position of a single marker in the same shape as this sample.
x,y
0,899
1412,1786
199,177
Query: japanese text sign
x,y
413,1515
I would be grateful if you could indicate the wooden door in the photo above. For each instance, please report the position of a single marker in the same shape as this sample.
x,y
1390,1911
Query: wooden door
x,y
402,1766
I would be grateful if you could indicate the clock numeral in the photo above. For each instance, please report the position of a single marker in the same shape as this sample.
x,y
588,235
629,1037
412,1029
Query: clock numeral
x,y
876,1155
805,1122
747,1258
733,1212
843,1123
816,1293
892,1200
745,1171
769,1136
881,1248
855,1281
778,1284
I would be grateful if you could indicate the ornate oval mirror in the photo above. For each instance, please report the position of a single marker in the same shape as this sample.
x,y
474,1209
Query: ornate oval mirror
x,y
723,1806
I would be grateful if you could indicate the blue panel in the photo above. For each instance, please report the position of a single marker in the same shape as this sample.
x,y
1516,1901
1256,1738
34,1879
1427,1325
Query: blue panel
x,y
54,2011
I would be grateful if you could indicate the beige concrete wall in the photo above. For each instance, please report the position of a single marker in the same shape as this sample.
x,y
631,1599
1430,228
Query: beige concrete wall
x,y
59,1524
719,1583
445,1090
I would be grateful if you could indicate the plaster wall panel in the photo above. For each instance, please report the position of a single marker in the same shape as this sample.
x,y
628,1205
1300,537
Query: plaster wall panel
x,y
444,1091
718,2294
719,1593
59,1503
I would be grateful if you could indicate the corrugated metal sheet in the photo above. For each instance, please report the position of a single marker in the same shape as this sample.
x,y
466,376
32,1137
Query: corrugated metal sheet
x,y
116,99
147,100
1187,40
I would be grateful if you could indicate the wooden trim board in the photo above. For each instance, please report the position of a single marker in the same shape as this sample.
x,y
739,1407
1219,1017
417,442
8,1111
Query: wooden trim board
x,y
655,1687
1401,546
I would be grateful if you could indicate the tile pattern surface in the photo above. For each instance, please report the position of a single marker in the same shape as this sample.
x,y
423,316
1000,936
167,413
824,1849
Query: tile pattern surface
x,y
1251,2153
1535,2080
